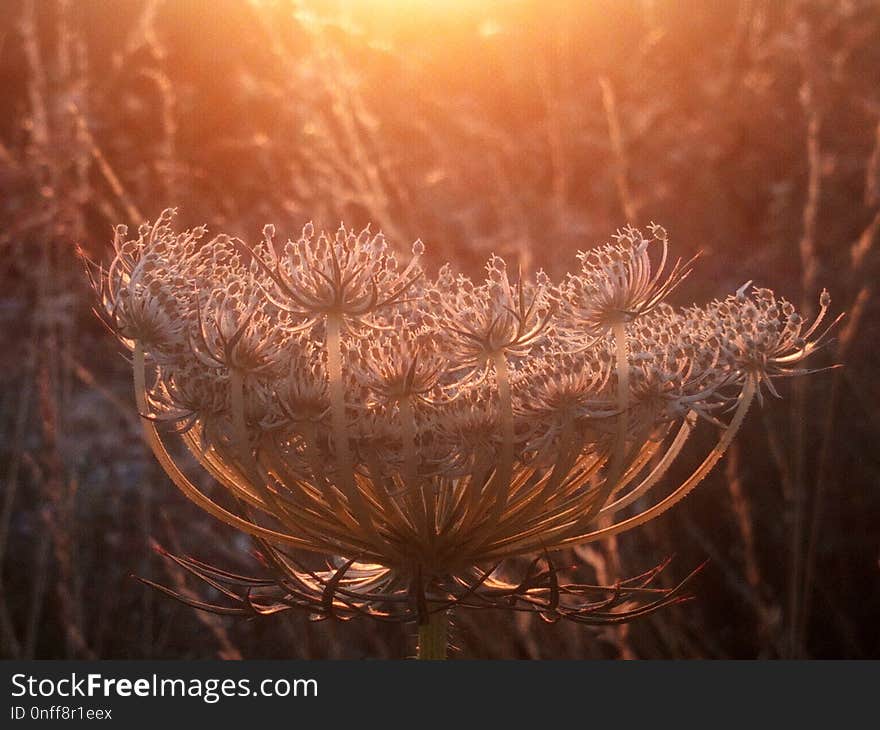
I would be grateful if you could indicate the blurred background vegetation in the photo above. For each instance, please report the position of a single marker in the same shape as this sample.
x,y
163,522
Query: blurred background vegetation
x,y
750,129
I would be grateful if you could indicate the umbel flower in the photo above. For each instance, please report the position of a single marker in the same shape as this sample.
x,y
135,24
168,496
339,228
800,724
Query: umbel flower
x,y
398,445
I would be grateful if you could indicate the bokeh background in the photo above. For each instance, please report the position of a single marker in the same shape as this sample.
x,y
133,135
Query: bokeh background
x,y
749,128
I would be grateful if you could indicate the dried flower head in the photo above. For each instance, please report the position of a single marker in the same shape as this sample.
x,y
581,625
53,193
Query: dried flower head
x,y
495,319
418,433
617,281
350,275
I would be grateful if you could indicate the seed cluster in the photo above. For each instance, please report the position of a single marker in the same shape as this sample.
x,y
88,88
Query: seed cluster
x,y
419,428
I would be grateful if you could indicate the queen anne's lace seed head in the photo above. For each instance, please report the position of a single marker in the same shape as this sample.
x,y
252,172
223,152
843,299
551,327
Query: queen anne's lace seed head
x,y
301,392
557,388
233,333
347,274
476,322
419,431
187,393
471,428
141,293
402,362
759,335
617,282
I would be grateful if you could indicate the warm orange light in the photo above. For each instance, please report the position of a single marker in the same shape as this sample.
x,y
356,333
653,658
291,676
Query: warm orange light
x,y
392,14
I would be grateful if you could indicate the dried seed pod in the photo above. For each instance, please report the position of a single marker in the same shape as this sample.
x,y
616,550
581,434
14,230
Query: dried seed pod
x,y
417,433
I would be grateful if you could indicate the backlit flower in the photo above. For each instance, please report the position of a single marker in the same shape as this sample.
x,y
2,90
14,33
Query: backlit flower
x,y
418,433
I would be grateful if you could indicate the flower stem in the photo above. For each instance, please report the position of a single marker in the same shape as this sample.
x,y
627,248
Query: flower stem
x,y
434,636
344,461
616,466
421,502
504,471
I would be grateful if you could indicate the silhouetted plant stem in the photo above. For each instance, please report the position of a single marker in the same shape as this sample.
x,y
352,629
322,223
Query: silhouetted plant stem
x,y
434,636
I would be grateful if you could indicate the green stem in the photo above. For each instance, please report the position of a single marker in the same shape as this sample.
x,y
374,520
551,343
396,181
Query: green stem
x,y
434,636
